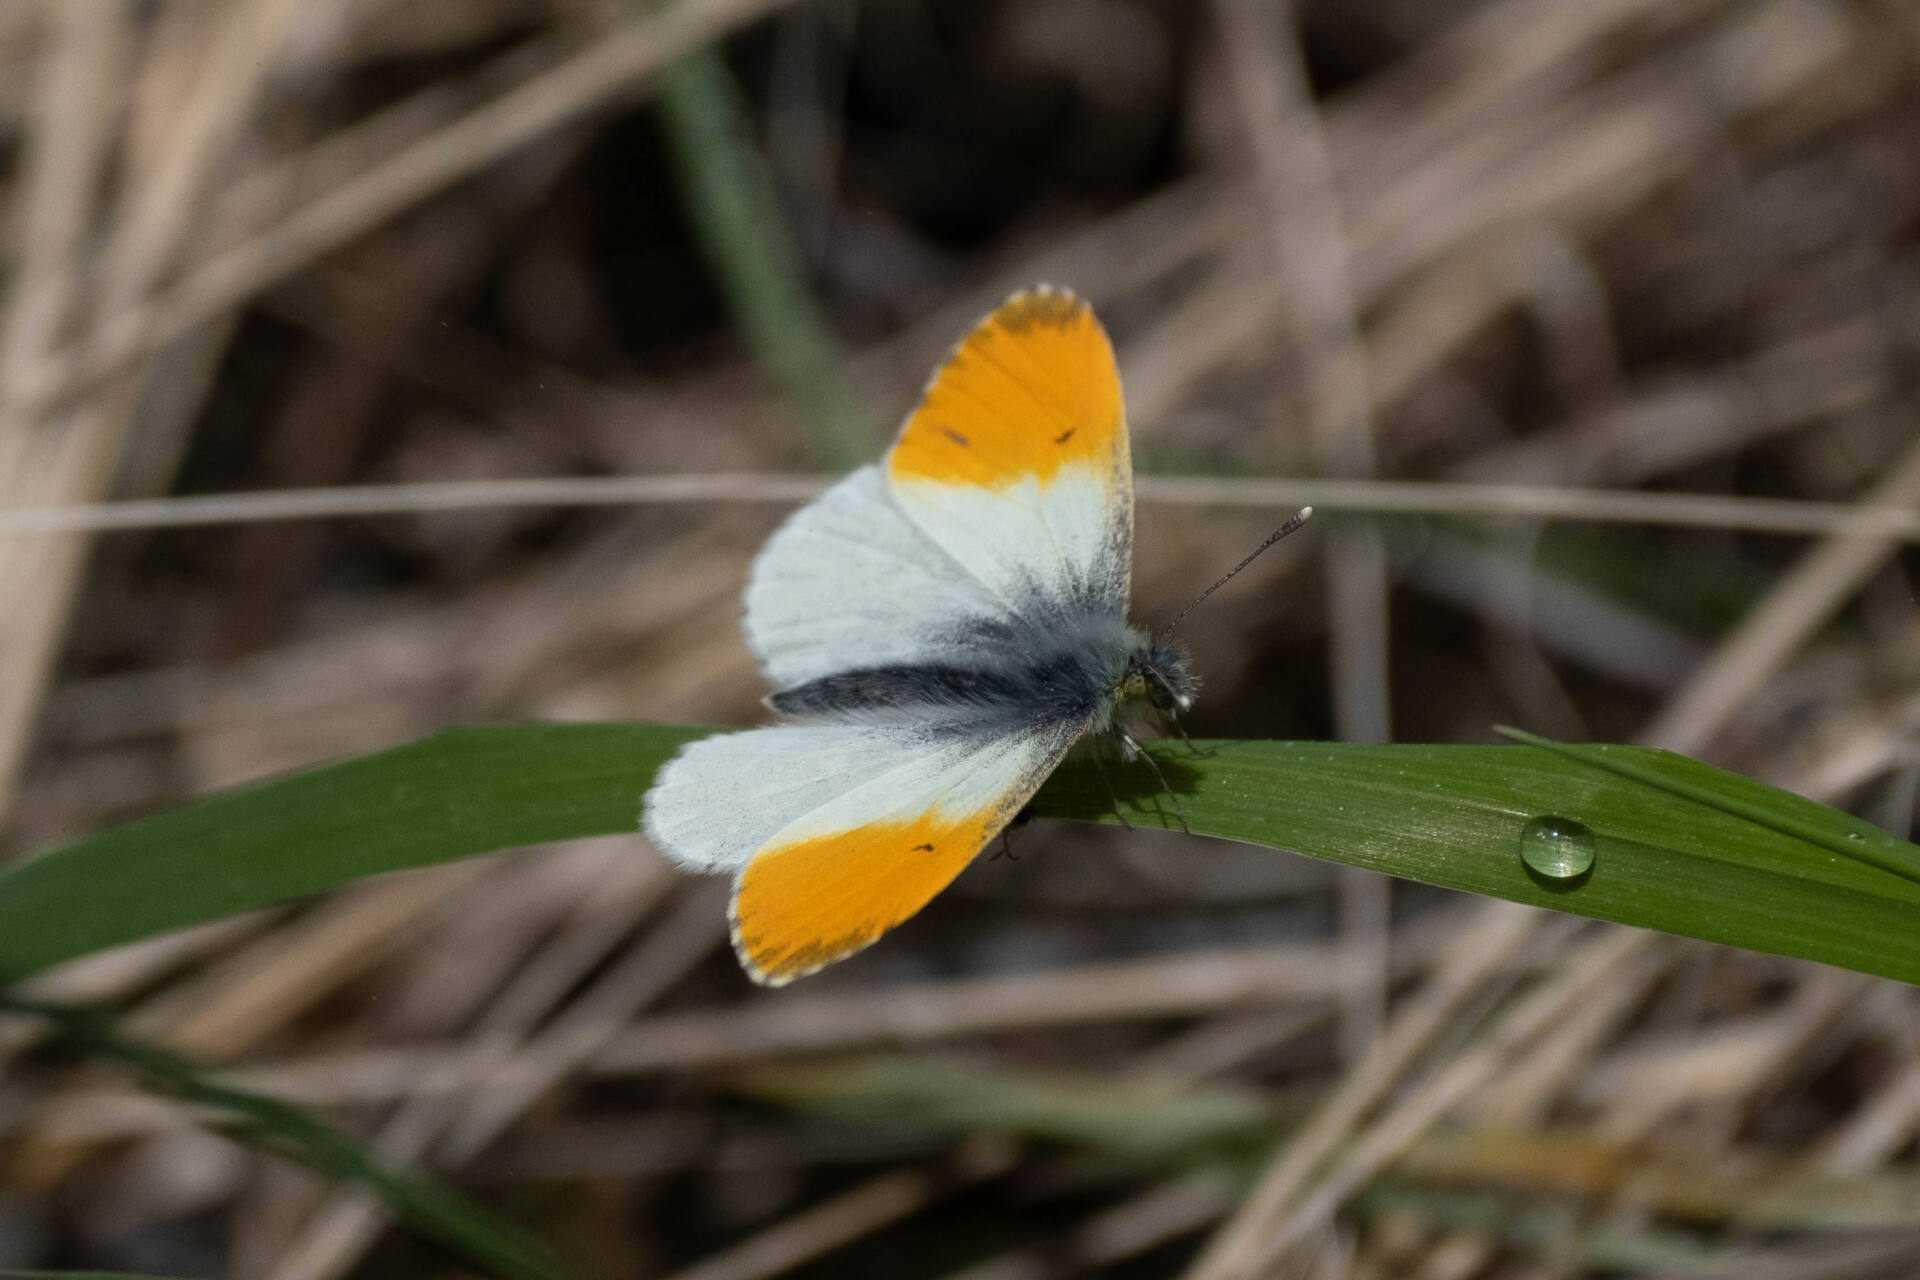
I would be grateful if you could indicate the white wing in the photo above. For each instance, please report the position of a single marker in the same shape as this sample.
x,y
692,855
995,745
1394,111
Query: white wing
x,y
1004,508
718,800
849,582
722,799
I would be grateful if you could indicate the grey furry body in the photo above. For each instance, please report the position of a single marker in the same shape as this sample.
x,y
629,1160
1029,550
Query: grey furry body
x,y
1069,672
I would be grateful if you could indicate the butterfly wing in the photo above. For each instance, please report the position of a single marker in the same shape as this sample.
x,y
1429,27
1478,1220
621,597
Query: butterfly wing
x,y
848,582
1016,461
1004,508
952,550
837,833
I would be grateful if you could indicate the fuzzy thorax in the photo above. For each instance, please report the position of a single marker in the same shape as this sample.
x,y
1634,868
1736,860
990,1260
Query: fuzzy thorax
x,y
1159,674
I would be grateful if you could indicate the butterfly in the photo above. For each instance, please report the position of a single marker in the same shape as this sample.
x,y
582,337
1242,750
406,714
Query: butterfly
x,y
939,630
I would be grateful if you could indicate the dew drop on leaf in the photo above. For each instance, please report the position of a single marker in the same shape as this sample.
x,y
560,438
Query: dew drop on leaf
x,y
1556,847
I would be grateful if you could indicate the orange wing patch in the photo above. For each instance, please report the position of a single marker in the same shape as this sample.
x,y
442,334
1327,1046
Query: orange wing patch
x,y
802,906
1031,389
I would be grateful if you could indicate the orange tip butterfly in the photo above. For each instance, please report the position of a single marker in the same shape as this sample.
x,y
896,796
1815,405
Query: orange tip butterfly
x,y
939,630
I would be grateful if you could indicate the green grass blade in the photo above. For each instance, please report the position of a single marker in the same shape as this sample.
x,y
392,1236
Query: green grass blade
x,y
1680,847
456,794
1784,812
424,1206
1744,870
736,215
1142,1118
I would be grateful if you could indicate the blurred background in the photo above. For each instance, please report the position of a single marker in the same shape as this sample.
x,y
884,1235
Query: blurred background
x,y
273,245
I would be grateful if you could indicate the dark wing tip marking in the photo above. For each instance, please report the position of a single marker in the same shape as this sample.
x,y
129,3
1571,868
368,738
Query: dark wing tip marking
x,y
1065,436
956,437
923,848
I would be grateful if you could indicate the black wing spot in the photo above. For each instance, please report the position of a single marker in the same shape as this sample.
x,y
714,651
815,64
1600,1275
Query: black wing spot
x,y
1065,436
923,848
956,437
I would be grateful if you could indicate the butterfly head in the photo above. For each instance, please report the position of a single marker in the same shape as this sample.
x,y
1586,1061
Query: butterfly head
x,y
1159,673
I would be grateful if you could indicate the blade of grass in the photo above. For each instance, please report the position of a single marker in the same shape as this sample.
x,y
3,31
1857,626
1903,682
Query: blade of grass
x,y
1782,811
459,793
1753,866
730,197
1224,1131
1696,598
424,1206
1144,1118
1228,1129
1452,815
1745,870
1557,1231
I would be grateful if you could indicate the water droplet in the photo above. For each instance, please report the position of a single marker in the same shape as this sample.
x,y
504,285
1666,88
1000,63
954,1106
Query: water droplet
x,y
1855,835
1556,847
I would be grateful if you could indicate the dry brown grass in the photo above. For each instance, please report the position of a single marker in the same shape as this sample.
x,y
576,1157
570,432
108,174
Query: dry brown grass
x,y
409,282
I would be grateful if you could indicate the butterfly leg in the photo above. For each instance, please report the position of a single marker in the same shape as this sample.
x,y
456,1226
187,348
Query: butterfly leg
x,y
1135,749
1101,766
1005,850
1181,729
1006,846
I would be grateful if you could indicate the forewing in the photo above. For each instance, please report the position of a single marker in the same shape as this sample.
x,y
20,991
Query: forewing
x,y
849,582
1016,461
852,828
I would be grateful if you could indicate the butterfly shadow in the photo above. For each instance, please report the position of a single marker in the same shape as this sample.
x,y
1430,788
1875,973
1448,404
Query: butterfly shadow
x,y
1097,783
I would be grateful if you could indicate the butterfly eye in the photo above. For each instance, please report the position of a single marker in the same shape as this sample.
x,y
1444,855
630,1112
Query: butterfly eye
x,y
1160,696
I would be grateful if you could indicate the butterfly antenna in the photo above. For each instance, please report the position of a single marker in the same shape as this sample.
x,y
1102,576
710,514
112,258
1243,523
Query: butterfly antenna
x,y
1298,518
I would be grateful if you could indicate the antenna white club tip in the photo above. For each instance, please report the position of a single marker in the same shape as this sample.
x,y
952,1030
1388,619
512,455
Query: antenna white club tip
x,y
1306,513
